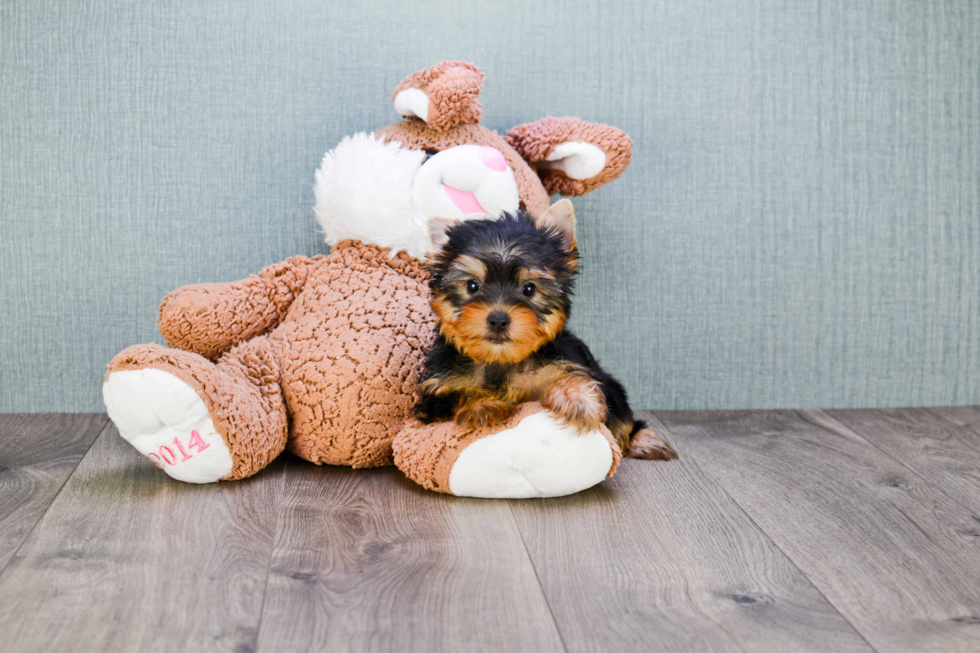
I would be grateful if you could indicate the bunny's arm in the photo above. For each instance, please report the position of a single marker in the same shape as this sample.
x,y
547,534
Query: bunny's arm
x,y
211,318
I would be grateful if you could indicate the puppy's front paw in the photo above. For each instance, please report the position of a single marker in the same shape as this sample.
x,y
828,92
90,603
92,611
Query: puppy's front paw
x,y
577,400
484,412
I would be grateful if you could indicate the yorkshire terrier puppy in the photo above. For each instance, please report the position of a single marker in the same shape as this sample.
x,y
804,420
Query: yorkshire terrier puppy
x,y
501,292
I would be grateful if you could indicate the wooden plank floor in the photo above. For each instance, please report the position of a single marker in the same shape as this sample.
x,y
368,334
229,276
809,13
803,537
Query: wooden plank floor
x,y
775,531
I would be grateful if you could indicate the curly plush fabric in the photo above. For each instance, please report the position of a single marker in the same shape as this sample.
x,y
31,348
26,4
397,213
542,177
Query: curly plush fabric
x,y
353,345
241,393
211,318
426,452
415,134
536,140
452,88
344,357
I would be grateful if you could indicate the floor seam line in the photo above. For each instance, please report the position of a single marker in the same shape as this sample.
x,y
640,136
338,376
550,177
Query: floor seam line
x,y
770,538
47,508
272,554
537,578
888,455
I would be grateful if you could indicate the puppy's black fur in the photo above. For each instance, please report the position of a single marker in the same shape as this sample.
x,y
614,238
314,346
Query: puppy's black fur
x,y
522,275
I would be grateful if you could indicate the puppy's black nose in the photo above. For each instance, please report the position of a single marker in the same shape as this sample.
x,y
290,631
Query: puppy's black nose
x,y
498,321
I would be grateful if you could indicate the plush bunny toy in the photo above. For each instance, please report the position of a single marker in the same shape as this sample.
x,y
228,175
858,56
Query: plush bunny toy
x,y
322,355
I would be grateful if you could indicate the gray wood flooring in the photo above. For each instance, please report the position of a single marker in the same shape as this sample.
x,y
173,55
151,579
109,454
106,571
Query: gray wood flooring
x,y
775,531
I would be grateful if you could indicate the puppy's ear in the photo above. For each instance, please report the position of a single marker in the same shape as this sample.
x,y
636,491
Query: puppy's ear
x,y
560,217
439,230
573,157
442,96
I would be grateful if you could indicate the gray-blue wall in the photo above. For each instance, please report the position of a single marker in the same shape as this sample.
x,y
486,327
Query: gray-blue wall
x,y
800,226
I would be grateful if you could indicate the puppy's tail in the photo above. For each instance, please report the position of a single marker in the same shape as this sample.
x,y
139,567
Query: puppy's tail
x,y
646,444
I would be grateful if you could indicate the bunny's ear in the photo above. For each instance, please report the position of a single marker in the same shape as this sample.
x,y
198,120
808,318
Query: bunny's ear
x,y
442,96
572,156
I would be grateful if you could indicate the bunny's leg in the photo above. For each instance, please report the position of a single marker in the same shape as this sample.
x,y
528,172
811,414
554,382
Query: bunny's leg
x,y
530,455
198,421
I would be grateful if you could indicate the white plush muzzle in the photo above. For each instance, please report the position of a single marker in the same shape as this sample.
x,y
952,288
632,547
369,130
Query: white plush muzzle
x,y
384,194
464,182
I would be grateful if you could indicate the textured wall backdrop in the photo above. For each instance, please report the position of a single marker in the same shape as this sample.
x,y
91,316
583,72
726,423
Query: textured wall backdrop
x,y
800,226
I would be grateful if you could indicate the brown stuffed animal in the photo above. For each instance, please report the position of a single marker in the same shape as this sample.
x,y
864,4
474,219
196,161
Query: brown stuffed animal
x,y
322,355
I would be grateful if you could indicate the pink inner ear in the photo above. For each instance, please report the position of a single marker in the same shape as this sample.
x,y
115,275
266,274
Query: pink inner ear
x,y
493,158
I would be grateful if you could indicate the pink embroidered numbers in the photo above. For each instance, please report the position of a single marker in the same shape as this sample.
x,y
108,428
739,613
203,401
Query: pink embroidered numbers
x,y
166,454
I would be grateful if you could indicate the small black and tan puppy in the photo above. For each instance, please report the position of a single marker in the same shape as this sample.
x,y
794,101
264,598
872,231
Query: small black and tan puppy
x,y
501,292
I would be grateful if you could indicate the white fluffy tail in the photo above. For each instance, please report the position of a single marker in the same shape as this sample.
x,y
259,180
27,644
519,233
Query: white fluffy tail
x,y
364,192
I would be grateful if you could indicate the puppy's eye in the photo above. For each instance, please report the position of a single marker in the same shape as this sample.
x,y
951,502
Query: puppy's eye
x,y
528,289
472,286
